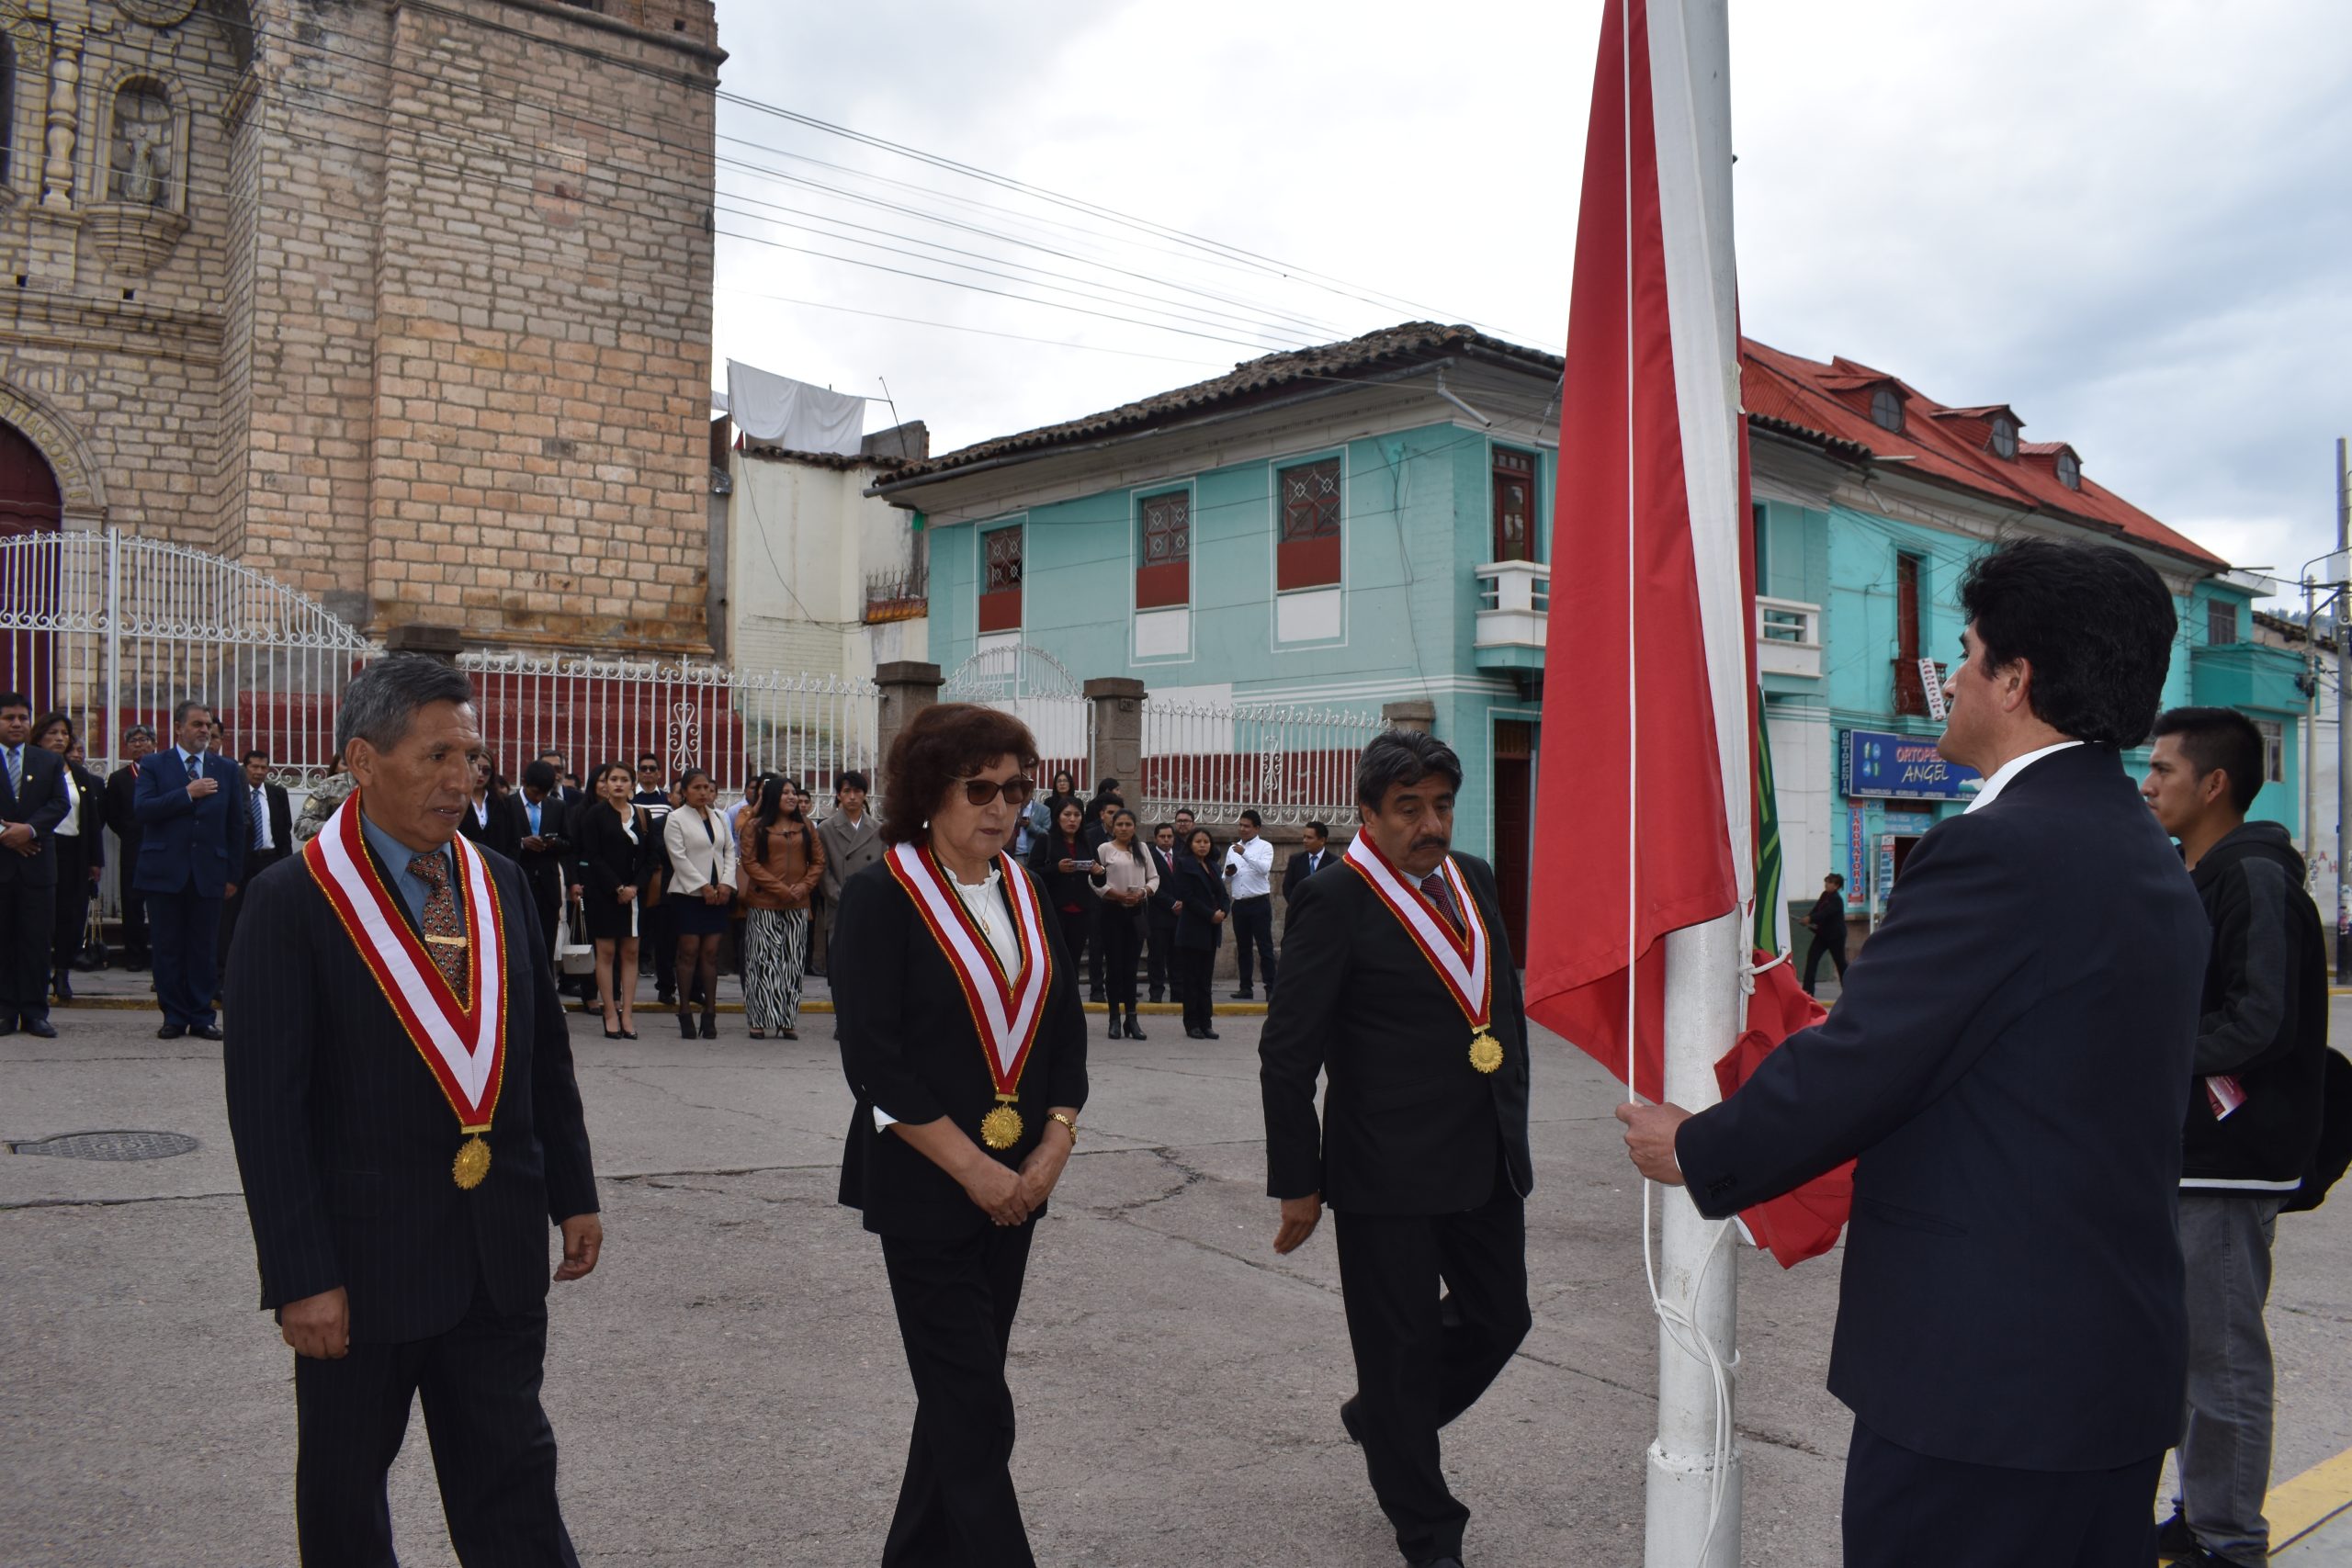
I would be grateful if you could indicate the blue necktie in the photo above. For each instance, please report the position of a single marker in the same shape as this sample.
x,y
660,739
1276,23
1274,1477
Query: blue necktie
x,y
261,819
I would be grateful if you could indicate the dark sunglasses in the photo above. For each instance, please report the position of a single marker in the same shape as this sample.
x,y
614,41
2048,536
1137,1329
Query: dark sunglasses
x,y
1015,789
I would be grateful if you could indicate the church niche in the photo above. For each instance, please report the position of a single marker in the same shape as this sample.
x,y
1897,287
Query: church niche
x,y
141,166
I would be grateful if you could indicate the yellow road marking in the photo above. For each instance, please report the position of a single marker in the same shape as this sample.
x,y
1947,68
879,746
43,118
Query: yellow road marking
x,y
2298,1507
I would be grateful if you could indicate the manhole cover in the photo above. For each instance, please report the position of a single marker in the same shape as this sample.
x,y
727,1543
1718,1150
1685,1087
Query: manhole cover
x,y
110,1145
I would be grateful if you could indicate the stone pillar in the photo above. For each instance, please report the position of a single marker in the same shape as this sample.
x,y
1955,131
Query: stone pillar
x,y
1417,714
907,686
444,643
1118,732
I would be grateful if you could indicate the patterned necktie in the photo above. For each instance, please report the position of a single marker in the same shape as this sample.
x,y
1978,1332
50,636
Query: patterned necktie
x,y
442,938
1442,896
16,770
261,819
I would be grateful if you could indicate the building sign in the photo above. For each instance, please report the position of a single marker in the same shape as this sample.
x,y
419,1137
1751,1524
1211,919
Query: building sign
x,y
1910,823
1931,682
1855,832
1901,767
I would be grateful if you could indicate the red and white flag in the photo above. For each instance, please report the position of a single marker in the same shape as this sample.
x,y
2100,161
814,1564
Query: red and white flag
x,y
1647,801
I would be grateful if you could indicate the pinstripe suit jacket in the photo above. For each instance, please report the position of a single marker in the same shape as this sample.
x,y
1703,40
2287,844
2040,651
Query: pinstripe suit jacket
x,y
344,1140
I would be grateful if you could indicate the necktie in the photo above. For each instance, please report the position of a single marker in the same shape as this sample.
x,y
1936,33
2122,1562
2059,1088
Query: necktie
x,y
1442,896
261,819
16,770
442,938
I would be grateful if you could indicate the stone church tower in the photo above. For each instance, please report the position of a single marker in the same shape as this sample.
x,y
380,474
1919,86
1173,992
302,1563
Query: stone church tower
x,y
404,303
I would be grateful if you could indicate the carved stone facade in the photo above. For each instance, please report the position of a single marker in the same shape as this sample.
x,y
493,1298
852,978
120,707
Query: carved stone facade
x,y
403,302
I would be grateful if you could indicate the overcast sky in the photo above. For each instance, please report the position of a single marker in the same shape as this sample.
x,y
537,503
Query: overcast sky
x,y
2131,219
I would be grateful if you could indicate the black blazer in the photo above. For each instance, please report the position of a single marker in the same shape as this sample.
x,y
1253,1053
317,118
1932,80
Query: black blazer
x,y
608,862
1202,893
90,818
908,1046
1295,869
40,804
344,1140
545,870
1410,1126
1060,887
491,834
122,815
281,821
2010,1067
1159,908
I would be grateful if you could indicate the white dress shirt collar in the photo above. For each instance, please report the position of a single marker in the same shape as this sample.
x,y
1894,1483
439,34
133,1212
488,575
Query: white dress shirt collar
x,y
2011,769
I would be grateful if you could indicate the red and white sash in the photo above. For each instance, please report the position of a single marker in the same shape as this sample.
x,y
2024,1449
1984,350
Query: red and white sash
x,y
1461,961
1006,1009
464,1046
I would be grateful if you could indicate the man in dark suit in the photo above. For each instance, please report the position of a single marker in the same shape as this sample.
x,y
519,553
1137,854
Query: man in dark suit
x,y
1314,853
1159,914
122,816
32,803
535,824
2008,1068
1408,1004
401,1185
192,822
269,837
567,784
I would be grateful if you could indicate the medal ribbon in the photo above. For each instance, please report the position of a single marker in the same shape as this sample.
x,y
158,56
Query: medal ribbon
x,y
1461,961
1006,1011
463,1044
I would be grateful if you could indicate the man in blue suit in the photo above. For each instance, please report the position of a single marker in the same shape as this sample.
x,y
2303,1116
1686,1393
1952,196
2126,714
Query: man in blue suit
x,y
2008,1068
192,819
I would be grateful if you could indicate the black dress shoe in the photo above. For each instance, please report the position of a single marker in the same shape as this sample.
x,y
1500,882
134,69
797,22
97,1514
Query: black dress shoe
x,y
1245,996
1194,1034
41,1029
204,1031
1352,1422
2174,1538
1210,1034
170,1031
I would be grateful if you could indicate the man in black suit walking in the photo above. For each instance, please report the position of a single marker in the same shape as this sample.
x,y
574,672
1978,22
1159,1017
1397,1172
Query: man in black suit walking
x,y
122,816
2008,1066
269,837
402,1168
192,846
32,803
1314,853
1399,988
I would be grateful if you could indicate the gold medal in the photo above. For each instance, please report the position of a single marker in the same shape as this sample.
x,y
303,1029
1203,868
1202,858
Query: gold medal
x,y
472,1163
1001,1128
1485,1051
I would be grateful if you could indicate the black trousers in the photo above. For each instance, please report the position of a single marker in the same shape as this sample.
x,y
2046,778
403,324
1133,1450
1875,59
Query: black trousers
x,y
1422,1360
956,1302
188,955
70,921
28,918
657,953
1195,973
1907,1510
494,1452
1160,968
1122,933
1812,962
1076,928
1097,912
134,902
256,861
1254,925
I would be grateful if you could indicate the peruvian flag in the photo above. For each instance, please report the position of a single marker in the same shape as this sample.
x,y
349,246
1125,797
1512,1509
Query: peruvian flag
x,y
1647,795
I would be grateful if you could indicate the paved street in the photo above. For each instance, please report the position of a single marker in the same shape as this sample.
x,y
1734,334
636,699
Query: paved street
x,y
728,1387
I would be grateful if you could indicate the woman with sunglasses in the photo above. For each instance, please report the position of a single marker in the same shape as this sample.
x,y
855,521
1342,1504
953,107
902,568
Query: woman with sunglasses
x,y
1202,904
781,864
964,1041
1062,861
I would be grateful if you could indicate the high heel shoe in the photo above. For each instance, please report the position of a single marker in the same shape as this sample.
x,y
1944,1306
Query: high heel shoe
x,y
685,1024
709,1024
1135,1029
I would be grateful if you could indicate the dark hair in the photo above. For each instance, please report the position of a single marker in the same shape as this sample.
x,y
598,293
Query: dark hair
x,y
645,756
945,742
1322,829
1182,811
2094,624
766,812
2219,737
1070,803
551,751
1123,811
1836,876
596,780
540,775
1250,815
1061,773
15,700
251,754
851,779
54,717
1200,831
1096,807
1402,757
687,779
381,701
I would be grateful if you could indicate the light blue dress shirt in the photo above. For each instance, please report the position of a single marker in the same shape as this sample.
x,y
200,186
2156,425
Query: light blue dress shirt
x,y
413,889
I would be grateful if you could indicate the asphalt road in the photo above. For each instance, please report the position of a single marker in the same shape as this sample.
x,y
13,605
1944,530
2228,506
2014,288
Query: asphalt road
x,y
728,1387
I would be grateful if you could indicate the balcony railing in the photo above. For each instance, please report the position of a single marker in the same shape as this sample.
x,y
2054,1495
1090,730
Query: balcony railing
x,y
1788,637
1514,605
1910,692
902,594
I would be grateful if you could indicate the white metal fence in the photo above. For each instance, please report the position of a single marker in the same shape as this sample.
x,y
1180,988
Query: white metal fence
x,y
1292,764
1034,687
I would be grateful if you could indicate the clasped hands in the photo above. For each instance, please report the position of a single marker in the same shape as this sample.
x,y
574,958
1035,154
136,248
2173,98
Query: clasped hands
x,y
1011,1196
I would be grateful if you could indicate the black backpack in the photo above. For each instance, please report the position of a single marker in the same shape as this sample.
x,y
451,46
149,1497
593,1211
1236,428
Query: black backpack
x,y
2335,1152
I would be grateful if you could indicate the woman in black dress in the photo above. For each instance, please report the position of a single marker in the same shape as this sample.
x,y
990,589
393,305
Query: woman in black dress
x,y
1062,861
618,846
80,849
962,1123
1201,904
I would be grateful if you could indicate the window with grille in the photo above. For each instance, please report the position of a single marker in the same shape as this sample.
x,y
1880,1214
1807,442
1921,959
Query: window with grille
x,y
1164,570
2274,749
1514,505
2220,622
1307,554
1001,579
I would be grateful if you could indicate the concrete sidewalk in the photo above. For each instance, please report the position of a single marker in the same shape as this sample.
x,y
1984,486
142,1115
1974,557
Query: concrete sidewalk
x,y
728,1388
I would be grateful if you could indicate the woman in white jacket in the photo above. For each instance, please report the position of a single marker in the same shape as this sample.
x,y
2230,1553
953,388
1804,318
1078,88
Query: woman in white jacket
x,y
702,880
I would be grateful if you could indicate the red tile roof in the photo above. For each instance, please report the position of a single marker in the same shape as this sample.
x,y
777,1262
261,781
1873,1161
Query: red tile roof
x,y
1945,445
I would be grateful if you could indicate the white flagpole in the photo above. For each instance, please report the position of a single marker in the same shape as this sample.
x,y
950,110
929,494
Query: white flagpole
x,y
1694,1475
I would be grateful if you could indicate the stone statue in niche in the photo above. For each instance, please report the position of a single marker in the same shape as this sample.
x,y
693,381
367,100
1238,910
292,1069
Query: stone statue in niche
x,y
140,167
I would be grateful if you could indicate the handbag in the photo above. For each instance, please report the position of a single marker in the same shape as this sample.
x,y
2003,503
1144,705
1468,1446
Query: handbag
x,y
574,955
93,955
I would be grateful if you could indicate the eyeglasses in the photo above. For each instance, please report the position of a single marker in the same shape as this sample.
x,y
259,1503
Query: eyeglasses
x,y
1016,790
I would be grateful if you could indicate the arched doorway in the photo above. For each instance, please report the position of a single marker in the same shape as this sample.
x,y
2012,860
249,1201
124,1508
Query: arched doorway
x,y
29,503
